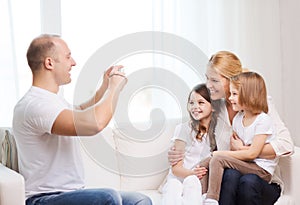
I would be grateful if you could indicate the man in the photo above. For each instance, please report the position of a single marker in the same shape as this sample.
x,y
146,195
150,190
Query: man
x,y
45,126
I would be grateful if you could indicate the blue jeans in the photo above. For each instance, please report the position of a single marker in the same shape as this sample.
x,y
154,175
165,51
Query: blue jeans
x,y
248,189
90,197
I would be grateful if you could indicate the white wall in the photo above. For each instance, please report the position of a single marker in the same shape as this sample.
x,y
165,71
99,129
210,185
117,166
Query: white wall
x,y
263,33
290,46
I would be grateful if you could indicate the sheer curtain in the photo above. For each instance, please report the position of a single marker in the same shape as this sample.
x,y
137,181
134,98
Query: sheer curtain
x,y
19,23
251,29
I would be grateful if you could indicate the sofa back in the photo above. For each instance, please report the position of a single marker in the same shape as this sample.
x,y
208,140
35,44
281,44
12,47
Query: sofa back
x,y
119,158
127,159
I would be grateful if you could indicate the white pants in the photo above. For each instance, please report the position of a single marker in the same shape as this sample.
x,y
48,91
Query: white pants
x,y
188,192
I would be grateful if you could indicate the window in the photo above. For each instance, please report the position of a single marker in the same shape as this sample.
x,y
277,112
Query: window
x,y
20,22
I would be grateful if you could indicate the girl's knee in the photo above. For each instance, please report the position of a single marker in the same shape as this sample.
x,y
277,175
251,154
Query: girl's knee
x,y
192,182
173,185
192,179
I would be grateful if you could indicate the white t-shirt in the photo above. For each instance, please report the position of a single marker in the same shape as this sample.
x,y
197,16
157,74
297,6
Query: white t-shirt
x,y
195,150
48,162
282,143
261,125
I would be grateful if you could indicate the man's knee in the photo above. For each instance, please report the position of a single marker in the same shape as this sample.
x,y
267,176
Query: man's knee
x,y
111,196
145,201
135,198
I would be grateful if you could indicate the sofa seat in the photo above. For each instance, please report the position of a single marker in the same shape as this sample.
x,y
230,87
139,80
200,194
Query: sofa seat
x,y
112,159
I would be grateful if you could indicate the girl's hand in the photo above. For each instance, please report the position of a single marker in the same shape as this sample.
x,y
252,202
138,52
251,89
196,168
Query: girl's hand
x,y
199,171
235,142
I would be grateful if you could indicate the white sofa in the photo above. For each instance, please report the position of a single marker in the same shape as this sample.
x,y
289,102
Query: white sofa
x,y
113,159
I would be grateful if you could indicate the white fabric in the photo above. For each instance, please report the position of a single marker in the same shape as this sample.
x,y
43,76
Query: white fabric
x,y
12,184
43,157
12,190
195,150
223,129
282,143
261,125
186,191
210,202
9,153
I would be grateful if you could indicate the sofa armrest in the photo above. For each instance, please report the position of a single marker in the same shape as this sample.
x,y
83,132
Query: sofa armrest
x,y
12,188
290,169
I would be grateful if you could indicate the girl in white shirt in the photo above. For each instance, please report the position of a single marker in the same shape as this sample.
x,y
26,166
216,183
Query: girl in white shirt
x,y
248,96
183,185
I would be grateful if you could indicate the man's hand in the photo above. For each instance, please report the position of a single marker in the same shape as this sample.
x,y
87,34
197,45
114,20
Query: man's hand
x,y
105,81
174,156
117,78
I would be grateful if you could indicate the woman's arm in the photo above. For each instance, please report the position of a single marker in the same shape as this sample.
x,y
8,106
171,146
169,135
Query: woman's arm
x,y
283,144
178,169
250,153
174,156
237,144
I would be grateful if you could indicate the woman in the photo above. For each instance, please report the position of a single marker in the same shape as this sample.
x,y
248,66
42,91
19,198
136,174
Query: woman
x,y
246,189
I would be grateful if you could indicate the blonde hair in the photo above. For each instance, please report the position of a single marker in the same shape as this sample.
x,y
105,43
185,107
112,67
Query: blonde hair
x,y
252,91
226,64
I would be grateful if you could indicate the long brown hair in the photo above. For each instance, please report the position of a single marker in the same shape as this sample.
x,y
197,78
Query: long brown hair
x,y
202,90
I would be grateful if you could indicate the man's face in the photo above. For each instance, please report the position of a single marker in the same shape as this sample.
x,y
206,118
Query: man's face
x,y
63,63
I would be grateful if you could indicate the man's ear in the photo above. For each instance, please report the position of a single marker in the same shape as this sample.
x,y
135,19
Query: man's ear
x,y
49,63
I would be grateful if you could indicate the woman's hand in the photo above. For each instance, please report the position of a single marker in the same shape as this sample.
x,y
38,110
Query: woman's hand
x,y
174,156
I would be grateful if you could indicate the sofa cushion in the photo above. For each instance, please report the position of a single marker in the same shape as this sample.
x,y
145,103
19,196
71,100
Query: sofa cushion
x,y
9,155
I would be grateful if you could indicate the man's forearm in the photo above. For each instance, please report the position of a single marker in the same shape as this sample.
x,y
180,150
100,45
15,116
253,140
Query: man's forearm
x,y
95,99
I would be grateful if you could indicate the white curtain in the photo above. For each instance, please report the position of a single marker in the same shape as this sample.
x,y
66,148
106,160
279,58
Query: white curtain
x,y
249,28
19,22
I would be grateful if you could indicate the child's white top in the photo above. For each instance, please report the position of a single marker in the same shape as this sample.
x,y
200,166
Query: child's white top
x,y
261,125
195,150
